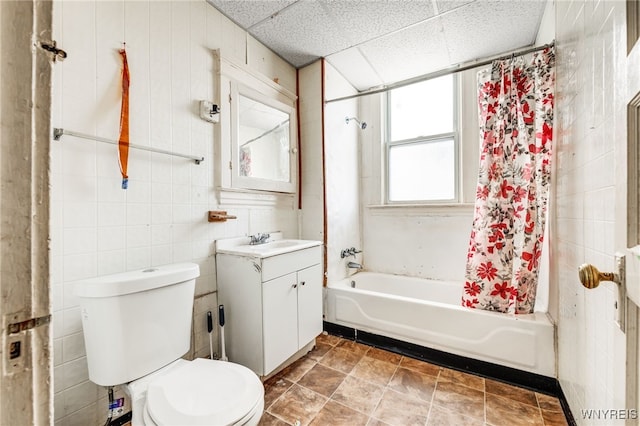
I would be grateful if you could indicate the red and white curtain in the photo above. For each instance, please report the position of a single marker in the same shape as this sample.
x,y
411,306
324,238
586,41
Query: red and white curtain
x,y
516,129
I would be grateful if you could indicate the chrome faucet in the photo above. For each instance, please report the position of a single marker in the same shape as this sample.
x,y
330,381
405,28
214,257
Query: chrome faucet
x,y
354,265
349,252
258,238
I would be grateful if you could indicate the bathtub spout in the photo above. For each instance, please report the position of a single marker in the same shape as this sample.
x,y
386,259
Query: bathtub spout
x,y
354,265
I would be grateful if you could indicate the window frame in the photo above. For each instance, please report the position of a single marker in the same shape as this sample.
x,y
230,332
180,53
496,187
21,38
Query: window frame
x,y
455,135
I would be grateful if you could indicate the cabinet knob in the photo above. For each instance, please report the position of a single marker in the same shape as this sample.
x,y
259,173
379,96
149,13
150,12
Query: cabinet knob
x,y
295,286
302,283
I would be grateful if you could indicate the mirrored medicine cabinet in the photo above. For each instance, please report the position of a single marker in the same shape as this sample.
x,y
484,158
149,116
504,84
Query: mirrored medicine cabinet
x,y
261,134
257,133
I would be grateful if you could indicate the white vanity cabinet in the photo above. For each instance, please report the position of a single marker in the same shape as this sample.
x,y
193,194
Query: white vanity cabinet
x,y
273,305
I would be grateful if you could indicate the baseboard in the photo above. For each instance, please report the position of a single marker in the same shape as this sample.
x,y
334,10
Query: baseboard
x,y
535,382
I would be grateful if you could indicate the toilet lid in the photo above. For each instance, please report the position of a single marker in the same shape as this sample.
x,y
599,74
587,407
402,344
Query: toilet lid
x,y
204,392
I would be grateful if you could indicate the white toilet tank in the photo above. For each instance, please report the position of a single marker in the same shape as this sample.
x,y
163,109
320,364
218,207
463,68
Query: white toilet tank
x,y
136,322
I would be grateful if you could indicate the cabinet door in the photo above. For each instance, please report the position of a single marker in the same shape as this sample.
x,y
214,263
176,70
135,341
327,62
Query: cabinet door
x,y
309,304
280,320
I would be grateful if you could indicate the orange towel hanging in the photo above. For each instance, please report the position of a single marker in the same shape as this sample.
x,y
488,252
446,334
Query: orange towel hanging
x,y
123,141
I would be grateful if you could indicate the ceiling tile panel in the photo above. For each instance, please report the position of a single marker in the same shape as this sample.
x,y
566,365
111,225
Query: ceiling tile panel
x,y
446,5
363,20
248,13
355,68
390,40
414,51
301,33
491,27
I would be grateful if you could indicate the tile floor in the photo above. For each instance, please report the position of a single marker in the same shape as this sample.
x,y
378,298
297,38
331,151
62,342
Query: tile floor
x,y
342,382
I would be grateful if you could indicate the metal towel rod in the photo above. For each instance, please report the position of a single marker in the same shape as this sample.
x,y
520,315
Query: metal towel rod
x,y
57,134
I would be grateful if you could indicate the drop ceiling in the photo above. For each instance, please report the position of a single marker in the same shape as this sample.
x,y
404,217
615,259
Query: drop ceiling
x,y
378,42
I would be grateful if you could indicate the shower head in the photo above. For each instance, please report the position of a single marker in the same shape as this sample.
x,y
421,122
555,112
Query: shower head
x,y
361,124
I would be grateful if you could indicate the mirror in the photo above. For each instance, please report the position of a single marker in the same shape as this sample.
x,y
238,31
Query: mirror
x,y
263,141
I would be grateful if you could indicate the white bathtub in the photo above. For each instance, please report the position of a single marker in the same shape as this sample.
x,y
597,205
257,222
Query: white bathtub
x,y
428,313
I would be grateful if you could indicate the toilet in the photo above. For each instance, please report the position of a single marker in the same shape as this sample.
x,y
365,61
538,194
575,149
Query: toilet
x,y
137,327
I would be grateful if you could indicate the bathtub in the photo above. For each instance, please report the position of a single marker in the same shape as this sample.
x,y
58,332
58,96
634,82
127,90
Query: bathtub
x,y
428,313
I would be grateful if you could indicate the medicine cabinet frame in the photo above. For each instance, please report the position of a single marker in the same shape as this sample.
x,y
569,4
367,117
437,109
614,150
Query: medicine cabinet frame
x,y
233,82
238,178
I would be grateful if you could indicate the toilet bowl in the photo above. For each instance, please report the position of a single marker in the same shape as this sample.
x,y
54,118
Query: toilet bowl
x,y
198,392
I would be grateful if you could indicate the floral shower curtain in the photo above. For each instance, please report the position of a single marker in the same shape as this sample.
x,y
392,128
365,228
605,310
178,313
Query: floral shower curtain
x,y
516,128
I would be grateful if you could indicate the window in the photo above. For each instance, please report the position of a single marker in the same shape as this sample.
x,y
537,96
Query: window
x,y
422,142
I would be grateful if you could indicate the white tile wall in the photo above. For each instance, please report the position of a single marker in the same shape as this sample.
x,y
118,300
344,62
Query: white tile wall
x,y
98,228
342,172
590,127
419,242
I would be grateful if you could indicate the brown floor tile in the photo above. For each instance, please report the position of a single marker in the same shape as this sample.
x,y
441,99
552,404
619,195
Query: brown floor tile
x,y
509,412
358,348
413,383
461,378
421,366
323,380
341,359
298,369
319,351
298,403
554,418
512,392
401,410
341,382
376,422
328,339
373,370
270,420
549,403
438,416
274,388
335,414
385,356
358,394
460,399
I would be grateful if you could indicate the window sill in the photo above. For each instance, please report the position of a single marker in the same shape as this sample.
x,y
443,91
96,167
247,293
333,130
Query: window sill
x,y
458,209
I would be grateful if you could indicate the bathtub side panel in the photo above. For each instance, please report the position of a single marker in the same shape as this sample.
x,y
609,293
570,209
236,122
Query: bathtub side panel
x,y
524,343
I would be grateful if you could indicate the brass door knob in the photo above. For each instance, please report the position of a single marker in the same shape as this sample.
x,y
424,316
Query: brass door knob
x,y
590,277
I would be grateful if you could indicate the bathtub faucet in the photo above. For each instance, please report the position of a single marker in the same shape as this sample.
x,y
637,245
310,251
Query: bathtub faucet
x,y
349,252
354,265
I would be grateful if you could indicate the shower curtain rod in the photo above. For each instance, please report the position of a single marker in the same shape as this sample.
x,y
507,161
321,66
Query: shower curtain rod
x,y
451,70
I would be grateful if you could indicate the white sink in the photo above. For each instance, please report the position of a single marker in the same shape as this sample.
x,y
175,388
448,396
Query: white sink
x,y
271,248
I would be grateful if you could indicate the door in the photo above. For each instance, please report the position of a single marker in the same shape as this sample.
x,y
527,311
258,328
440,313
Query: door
x,y
280,320
631,183
309,304
25,115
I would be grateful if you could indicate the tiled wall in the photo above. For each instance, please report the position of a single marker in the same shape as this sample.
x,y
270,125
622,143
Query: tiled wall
x,y
342,167
590,131
417,241
98,228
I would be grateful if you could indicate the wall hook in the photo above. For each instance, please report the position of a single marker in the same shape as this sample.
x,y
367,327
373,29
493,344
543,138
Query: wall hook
x,y
58,54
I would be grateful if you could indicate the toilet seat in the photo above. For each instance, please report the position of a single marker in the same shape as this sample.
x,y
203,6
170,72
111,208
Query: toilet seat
x,y
205,392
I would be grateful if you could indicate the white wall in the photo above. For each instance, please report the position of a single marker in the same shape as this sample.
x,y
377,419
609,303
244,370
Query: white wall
x,y
312,185
342,169
590,135
420,241
98,228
